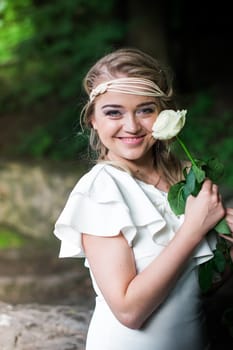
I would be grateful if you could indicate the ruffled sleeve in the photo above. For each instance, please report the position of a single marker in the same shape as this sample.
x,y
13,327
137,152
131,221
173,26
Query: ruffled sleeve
x,y
104,205
83,215
204,251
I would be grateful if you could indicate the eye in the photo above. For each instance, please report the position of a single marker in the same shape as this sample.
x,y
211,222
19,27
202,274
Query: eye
x,y
145,110
113,113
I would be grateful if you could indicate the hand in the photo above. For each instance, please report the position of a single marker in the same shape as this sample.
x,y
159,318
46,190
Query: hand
x,y
229,220
205,210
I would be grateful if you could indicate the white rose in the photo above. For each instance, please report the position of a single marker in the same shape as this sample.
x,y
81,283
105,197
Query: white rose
x,y
168,124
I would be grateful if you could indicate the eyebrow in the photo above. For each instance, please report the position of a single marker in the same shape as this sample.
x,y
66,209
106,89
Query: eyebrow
x,y
139,105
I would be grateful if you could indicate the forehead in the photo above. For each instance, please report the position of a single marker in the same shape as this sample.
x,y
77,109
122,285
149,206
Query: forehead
x,y
122,99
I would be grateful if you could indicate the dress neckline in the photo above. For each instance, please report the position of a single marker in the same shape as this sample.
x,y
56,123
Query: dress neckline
x,y
164,193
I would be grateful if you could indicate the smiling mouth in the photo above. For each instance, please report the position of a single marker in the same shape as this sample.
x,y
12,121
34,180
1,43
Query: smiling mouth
x,y
132,140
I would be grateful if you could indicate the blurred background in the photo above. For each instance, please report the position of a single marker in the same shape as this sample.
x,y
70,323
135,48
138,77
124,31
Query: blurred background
x,y
46,47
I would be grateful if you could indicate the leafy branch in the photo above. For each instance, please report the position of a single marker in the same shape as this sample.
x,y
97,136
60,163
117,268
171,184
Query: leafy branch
x,y
191,185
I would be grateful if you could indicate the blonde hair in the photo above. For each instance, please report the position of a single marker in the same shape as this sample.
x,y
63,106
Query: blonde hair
x,y
130,62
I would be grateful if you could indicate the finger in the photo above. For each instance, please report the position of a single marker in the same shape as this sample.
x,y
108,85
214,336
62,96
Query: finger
x,y
207,185
215,188
227,237
229,211
229,217
215,191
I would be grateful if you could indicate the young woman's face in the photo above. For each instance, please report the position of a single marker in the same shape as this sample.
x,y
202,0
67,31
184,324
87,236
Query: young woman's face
x,y
124,124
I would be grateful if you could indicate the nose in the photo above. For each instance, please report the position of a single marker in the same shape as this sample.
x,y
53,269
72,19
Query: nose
x,y
131,124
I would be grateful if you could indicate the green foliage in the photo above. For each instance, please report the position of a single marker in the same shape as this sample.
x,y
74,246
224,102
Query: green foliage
x,y
214,267
209,133
69,36
59,140
15,26
10,239
46,65
191,185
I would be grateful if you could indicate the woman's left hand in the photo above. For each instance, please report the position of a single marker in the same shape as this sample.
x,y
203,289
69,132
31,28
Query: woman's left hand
x,y
229,220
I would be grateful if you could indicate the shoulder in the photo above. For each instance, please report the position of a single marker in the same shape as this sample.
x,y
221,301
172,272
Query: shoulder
x,y
101,177
90,177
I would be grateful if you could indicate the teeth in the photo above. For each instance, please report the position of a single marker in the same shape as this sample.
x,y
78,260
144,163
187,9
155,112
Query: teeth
x,y
130,138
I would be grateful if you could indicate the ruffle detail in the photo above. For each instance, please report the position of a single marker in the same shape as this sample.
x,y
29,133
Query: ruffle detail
x,y
204,251
104,203
160,202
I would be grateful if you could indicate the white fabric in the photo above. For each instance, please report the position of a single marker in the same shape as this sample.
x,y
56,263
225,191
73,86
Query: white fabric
x,y
178,324
105,202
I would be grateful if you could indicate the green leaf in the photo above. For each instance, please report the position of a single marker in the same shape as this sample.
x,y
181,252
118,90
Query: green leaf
x,y
200,163
222,227
176,198
214,169
190,185
219,260
199,173
205,275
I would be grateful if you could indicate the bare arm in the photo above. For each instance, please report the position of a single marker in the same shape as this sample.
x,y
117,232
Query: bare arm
x,y
133,297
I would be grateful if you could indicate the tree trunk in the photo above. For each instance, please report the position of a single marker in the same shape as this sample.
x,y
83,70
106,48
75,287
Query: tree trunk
x,y
147,28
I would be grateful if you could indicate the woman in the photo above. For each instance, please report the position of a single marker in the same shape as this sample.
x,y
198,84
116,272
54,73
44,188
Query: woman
x,y
143,259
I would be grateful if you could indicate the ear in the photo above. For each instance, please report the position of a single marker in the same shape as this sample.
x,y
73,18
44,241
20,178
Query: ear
x,y
93,123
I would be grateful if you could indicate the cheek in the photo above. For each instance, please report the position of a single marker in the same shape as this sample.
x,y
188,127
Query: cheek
x,y
107,129
105,126
148,124
98,124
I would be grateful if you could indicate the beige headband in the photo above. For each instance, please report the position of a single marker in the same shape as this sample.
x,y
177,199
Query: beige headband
x,y
129,85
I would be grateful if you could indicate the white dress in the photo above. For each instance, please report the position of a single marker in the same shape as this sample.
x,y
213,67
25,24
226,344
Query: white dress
x,y
107,201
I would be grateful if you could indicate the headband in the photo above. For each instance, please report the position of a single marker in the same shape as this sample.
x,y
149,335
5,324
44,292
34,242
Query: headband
x,y
129,85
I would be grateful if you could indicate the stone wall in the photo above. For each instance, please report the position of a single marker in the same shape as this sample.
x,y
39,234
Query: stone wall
x,y
43,327
32,195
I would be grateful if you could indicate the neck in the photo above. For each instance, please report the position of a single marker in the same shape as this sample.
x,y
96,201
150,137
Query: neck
x,y
144,165
144,170
148,175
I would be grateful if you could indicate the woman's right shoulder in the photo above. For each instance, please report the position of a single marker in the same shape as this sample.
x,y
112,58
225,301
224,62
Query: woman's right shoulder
x,y
86,180
98,178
